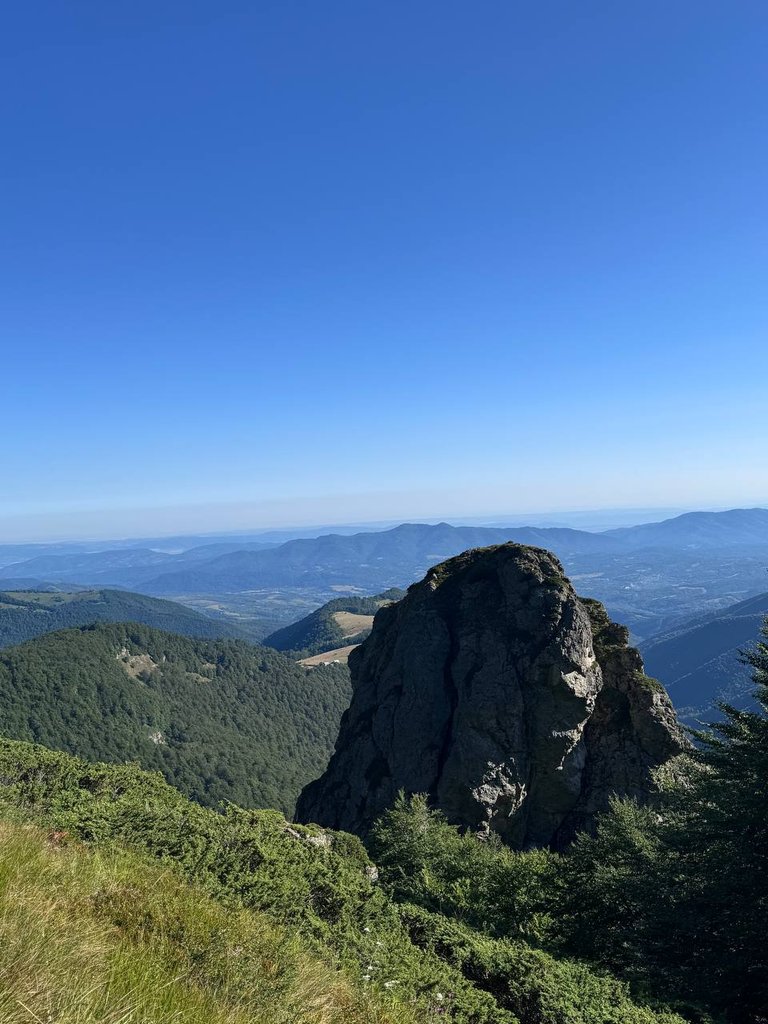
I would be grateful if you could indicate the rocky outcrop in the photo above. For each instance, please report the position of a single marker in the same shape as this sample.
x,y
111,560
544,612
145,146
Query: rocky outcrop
x,y
516,706
632,730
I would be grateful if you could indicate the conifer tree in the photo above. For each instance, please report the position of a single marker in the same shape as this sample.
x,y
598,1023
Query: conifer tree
x,y
727,852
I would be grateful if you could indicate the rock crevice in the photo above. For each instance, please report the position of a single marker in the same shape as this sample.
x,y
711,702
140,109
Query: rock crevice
x,y
492,687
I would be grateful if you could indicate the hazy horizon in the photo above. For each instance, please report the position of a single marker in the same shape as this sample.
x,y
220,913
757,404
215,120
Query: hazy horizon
x,y
212,521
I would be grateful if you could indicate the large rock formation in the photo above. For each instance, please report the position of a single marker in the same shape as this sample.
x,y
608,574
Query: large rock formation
x,y
516,706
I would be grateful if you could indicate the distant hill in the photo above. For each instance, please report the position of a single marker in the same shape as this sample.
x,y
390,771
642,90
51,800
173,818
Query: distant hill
x,y
343,622
178,546
738,527
51,566
370,561
222,720
125,566
10,553
27,614
698,662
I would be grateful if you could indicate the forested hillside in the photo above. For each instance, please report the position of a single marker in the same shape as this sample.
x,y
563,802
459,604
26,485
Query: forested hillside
x,y
27,614
222,720
335,624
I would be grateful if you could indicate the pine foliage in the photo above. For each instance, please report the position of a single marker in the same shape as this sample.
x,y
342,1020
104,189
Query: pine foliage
x,y
222,720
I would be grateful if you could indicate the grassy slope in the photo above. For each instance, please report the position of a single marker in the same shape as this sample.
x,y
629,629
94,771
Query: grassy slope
x,y
223,720
127,942
320,631
300,903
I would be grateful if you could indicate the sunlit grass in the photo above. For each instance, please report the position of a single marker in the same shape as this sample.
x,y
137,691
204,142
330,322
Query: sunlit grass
x,y
103,937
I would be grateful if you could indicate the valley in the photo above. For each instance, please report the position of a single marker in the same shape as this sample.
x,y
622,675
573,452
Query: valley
x,y
701,659
290,595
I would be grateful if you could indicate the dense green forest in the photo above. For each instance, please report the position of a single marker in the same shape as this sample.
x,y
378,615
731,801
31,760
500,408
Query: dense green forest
x,y
222,720
320,632
27,614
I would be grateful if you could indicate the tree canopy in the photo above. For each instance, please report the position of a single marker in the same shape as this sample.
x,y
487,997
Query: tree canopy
x,y
222,720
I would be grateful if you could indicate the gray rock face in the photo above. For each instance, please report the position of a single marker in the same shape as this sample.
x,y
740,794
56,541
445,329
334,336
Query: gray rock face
x,y
515,706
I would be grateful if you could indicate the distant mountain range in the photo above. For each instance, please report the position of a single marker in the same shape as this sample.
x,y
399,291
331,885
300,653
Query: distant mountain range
x,y
27,614
649,576
120,567
738,527
365,560
174,545
406,549
698,661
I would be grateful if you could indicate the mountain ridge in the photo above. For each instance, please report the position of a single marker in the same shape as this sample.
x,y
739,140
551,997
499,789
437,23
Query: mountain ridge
x,y
730,527
300,560
27,614
699,661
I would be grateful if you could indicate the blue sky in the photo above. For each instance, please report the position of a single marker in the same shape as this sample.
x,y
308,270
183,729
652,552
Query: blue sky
x,y
286,262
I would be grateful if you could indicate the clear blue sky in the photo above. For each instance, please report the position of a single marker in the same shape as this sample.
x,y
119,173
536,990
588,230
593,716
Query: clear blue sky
x,y
274,261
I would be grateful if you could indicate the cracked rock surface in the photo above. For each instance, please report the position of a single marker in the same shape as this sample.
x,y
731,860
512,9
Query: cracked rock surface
x,y
516,706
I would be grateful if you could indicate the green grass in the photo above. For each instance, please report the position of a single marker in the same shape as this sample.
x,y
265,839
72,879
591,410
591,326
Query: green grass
x,y
315,884
104,937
